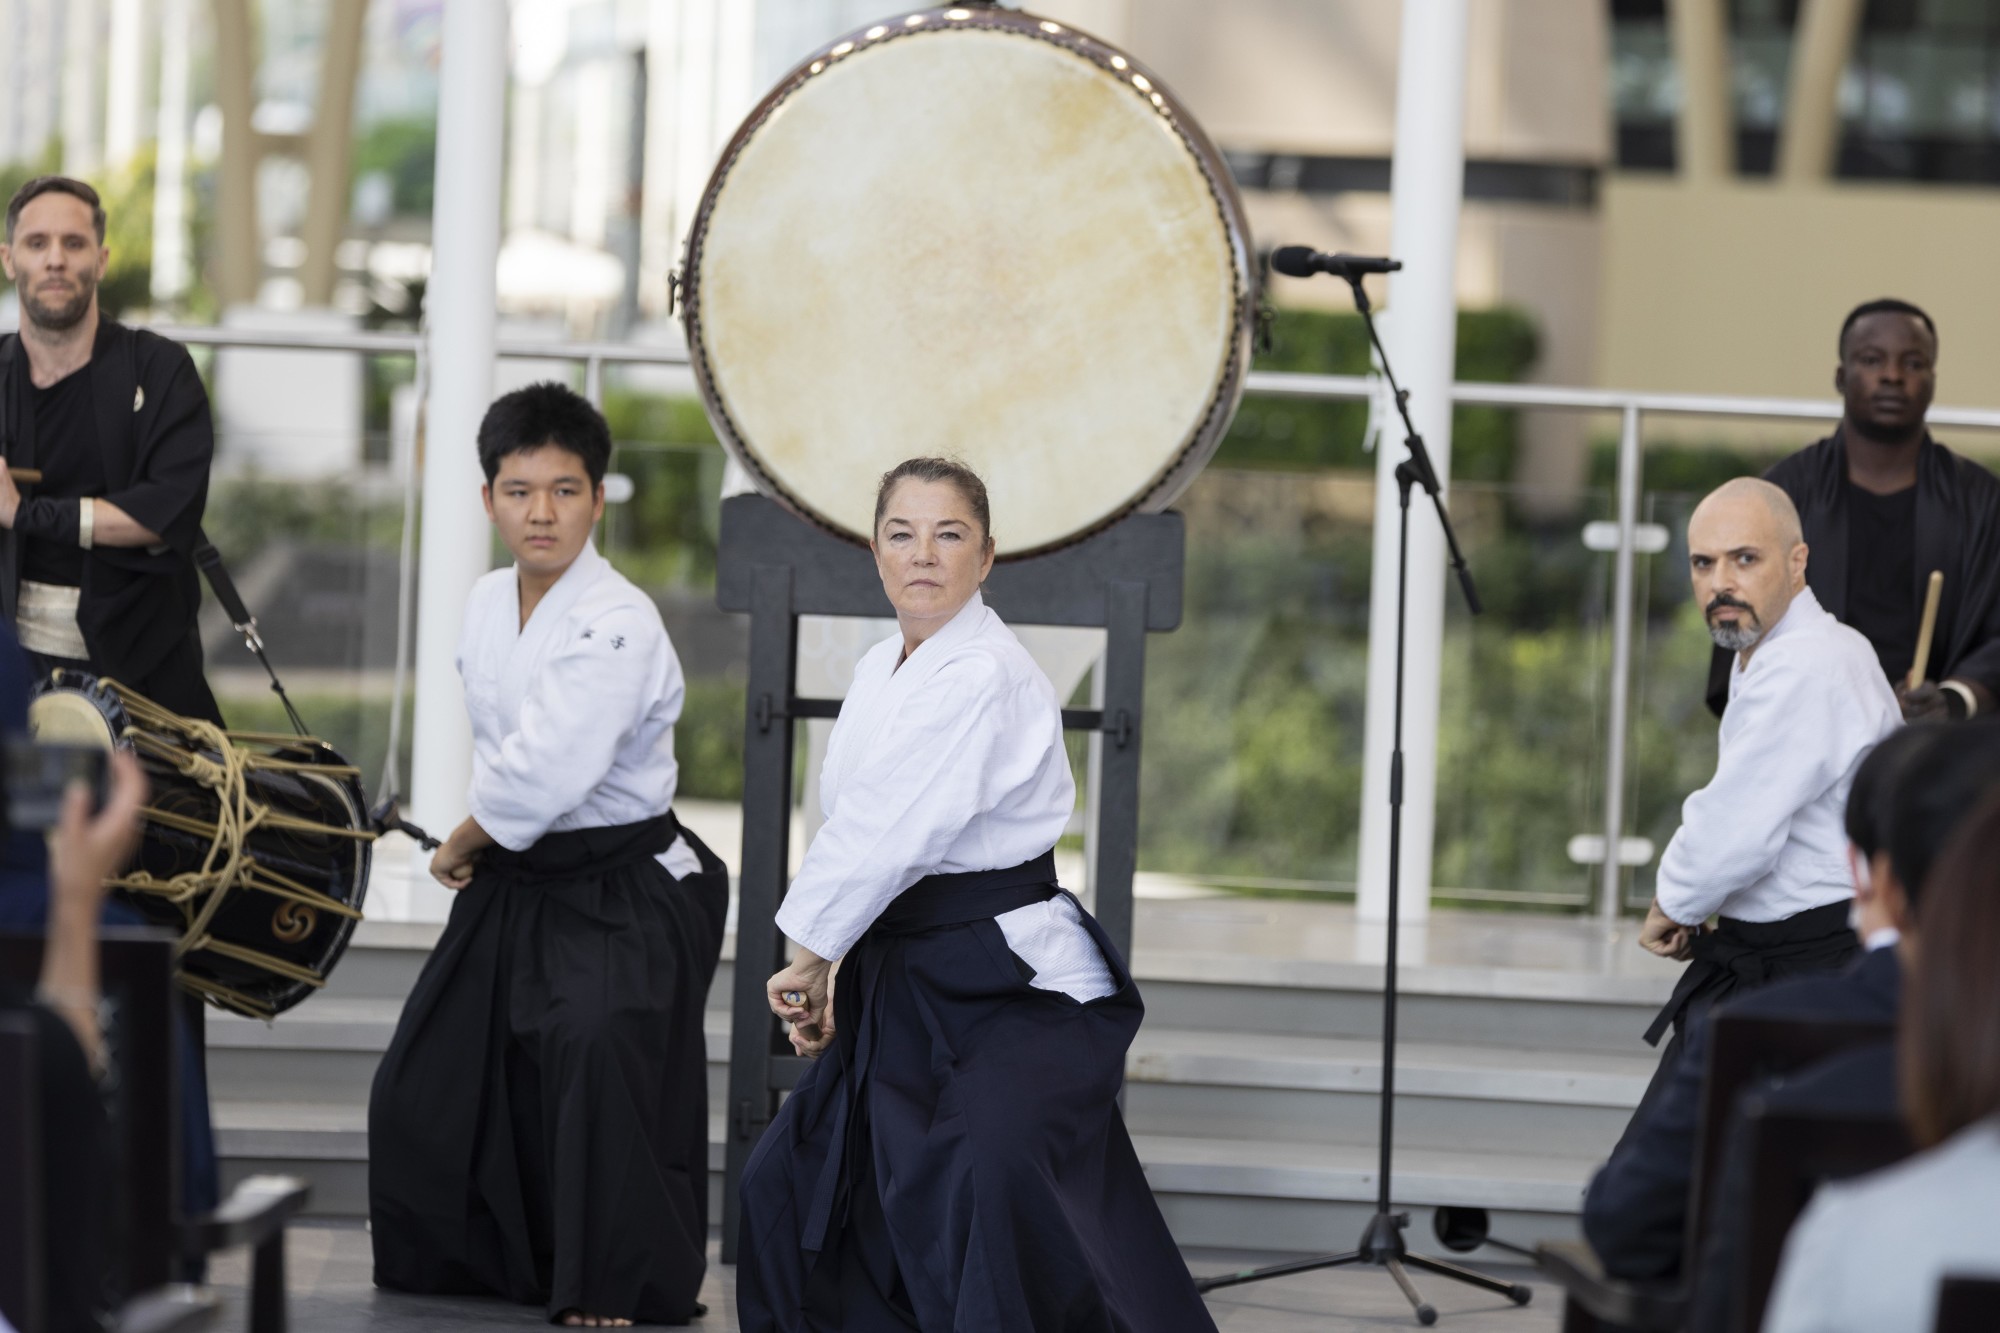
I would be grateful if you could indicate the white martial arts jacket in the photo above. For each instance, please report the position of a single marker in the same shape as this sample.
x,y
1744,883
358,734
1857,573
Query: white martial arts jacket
x,y
952,761
1766,838
572,715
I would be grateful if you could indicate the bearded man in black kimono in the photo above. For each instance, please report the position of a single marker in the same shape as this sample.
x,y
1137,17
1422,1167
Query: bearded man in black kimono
x,y
96,562
1883,505
96,559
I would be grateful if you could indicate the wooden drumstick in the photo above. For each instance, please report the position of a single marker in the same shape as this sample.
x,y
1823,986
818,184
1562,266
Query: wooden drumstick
x,y
25,476
1921,667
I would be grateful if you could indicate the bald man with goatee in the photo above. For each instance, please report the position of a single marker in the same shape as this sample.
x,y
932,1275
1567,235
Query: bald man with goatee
x,y
1762,849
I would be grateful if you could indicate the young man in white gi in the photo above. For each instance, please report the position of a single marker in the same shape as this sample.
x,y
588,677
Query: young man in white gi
x,y
1763,847
538,1128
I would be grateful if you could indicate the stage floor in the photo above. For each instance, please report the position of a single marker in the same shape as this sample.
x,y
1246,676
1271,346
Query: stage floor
x,y
331,1293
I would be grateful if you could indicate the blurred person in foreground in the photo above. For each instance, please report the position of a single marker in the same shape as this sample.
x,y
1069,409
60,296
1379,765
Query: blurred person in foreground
x,y
538,1128
75,1207
1762,848
1883,504
96,563
1868,1254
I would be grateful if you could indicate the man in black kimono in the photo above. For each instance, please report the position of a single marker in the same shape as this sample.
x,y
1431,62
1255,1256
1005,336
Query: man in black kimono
x,y
96,568
1883,505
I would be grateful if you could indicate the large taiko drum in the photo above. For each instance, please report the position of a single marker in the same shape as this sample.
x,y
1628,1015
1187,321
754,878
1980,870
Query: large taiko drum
x,y
978,233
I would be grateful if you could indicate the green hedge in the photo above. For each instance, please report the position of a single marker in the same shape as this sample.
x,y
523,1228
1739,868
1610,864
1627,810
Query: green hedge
x,y
1493,345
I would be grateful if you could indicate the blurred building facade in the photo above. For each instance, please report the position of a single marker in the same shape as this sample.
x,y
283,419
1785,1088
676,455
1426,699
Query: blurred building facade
x,y
1686,196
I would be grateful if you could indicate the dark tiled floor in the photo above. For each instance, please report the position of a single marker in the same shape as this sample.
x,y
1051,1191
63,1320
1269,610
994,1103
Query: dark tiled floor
x,y
331,1293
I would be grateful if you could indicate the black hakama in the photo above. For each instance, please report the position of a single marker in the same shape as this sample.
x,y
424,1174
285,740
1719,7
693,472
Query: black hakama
x,y
957,1160
1737,956
539,1127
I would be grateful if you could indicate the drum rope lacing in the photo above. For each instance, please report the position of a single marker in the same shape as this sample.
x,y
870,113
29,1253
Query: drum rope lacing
x,y
226,774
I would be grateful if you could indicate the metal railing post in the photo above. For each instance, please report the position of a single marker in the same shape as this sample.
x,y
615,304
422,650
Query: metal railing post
x,y
1618,697
593,381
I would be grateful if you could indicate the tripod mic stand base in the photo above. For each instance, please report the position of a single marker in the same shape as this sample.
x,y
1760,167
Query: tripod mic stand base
x,y
1382,1245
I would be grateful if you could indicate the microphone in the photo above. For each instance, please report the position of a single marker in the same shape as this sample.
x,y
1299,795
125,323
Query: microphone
x,y
1299,261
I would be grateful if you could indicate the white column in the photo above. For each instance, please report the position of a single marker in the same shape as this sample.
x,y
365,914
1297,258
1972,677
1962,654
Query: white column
x,y
694,121
13,55
1427,181
736,89
1706,126
125,83
465,227
170,247
82,97
659,218
1809,141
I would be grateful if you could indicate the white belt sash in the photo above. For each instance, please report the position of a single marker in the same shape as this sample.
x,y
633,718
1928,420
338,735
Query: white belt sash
x,y
46,620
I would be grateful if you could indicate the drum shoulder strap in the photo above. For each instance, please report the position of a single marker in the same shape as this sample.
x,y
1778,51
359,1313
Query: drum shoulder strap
x,y
10,345
10,544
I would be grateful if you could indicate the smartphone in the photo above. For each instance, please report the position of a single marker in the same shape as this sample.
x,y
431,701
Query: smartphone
x,y
36,776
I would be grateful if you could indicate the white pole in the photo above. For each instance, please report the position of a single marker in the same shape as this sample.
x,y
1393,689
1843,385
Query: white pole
x,y
1427,182
695,71
82,96
659,215
170,255
465,249
1809,143
126,82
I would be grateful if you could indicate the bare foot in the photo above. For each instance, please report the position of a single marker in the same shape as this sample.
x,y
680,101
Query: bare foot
x,y
578,1319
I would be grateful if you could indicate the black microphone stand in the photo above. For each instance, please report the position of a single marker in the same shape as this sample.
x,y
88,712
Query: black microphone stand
x,y
1382,1240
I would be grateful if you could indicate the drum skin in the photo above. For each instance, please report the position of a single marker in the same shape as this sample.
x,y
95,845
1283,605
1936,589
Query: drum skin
x,y
80,709
975,233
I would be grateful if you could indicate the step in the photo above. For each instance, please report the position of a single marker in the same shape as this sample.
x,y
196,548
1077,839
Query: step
x,y
326,1052
1180,1082
1516,1008
1251,1089
1522,1008
1239,1193
1326,1091
1297,1197
328,1145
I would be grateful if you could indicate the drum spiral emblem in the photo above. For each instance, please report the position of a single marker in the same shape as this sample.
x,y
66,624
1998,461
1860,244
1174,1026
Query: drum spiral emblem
x,y
292,922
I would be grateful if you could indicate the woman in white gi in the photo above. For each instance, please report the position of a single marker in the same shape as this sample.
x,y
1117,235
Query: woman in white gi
x,y
956,1159
538,1128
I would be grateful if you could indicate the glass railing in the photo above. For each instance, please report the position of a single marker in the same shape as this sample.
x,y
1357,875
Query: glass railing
x,y
1572,708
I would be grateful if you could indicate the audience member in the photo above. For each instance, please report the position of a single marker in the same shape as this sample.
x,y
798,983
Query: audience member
x,y
87,846
1868,1255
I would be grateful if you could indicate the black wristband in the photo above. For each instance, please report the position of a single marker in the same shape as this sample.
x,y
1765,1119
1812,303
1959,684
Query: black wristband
x,y
49,519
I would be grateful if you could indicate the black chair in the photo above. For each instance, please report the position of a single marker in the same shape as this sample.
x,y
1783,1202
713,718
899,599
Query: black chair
x,y
21,1230
1792,1154
1968,1305
141,1089
1743,1050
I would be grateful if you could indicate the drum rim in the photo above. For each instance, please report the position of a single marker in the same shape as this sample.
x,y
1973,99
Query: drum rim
x,y
1201,441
